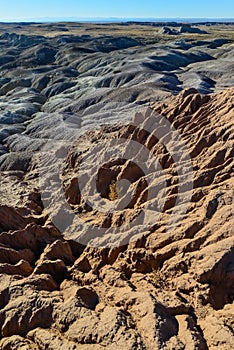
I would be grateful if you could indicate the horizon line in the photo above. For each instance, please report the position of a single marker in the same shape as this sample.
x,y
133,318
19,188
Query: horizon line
x,y
118,19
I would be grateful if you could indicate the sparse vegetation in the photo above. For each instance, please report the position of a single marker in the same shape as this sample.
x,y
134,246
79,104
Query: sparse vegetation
x,y
157,278
113,194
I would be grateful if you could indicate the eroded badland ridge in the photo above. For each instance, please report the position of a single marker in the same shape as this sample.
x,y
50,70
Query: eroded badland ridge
x,y
67,90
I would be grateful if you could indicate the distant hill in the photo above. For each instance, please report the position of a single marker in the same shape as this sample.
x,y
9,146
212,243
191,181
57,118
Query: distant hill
x,y
115,19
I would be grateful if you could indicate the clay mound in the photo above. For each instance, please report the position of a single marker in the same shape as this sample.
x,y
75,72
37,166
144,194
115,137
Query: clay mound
x,y
164,290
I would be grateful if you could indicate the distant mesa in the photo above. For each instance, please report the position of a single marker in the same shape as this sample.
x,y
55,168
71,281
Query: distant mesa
x,y
168,31
184,29
187,28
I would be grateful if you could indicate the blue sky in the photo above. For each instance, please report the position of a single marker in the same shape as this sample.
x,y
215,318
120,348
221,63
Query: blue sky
x,y
26,9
